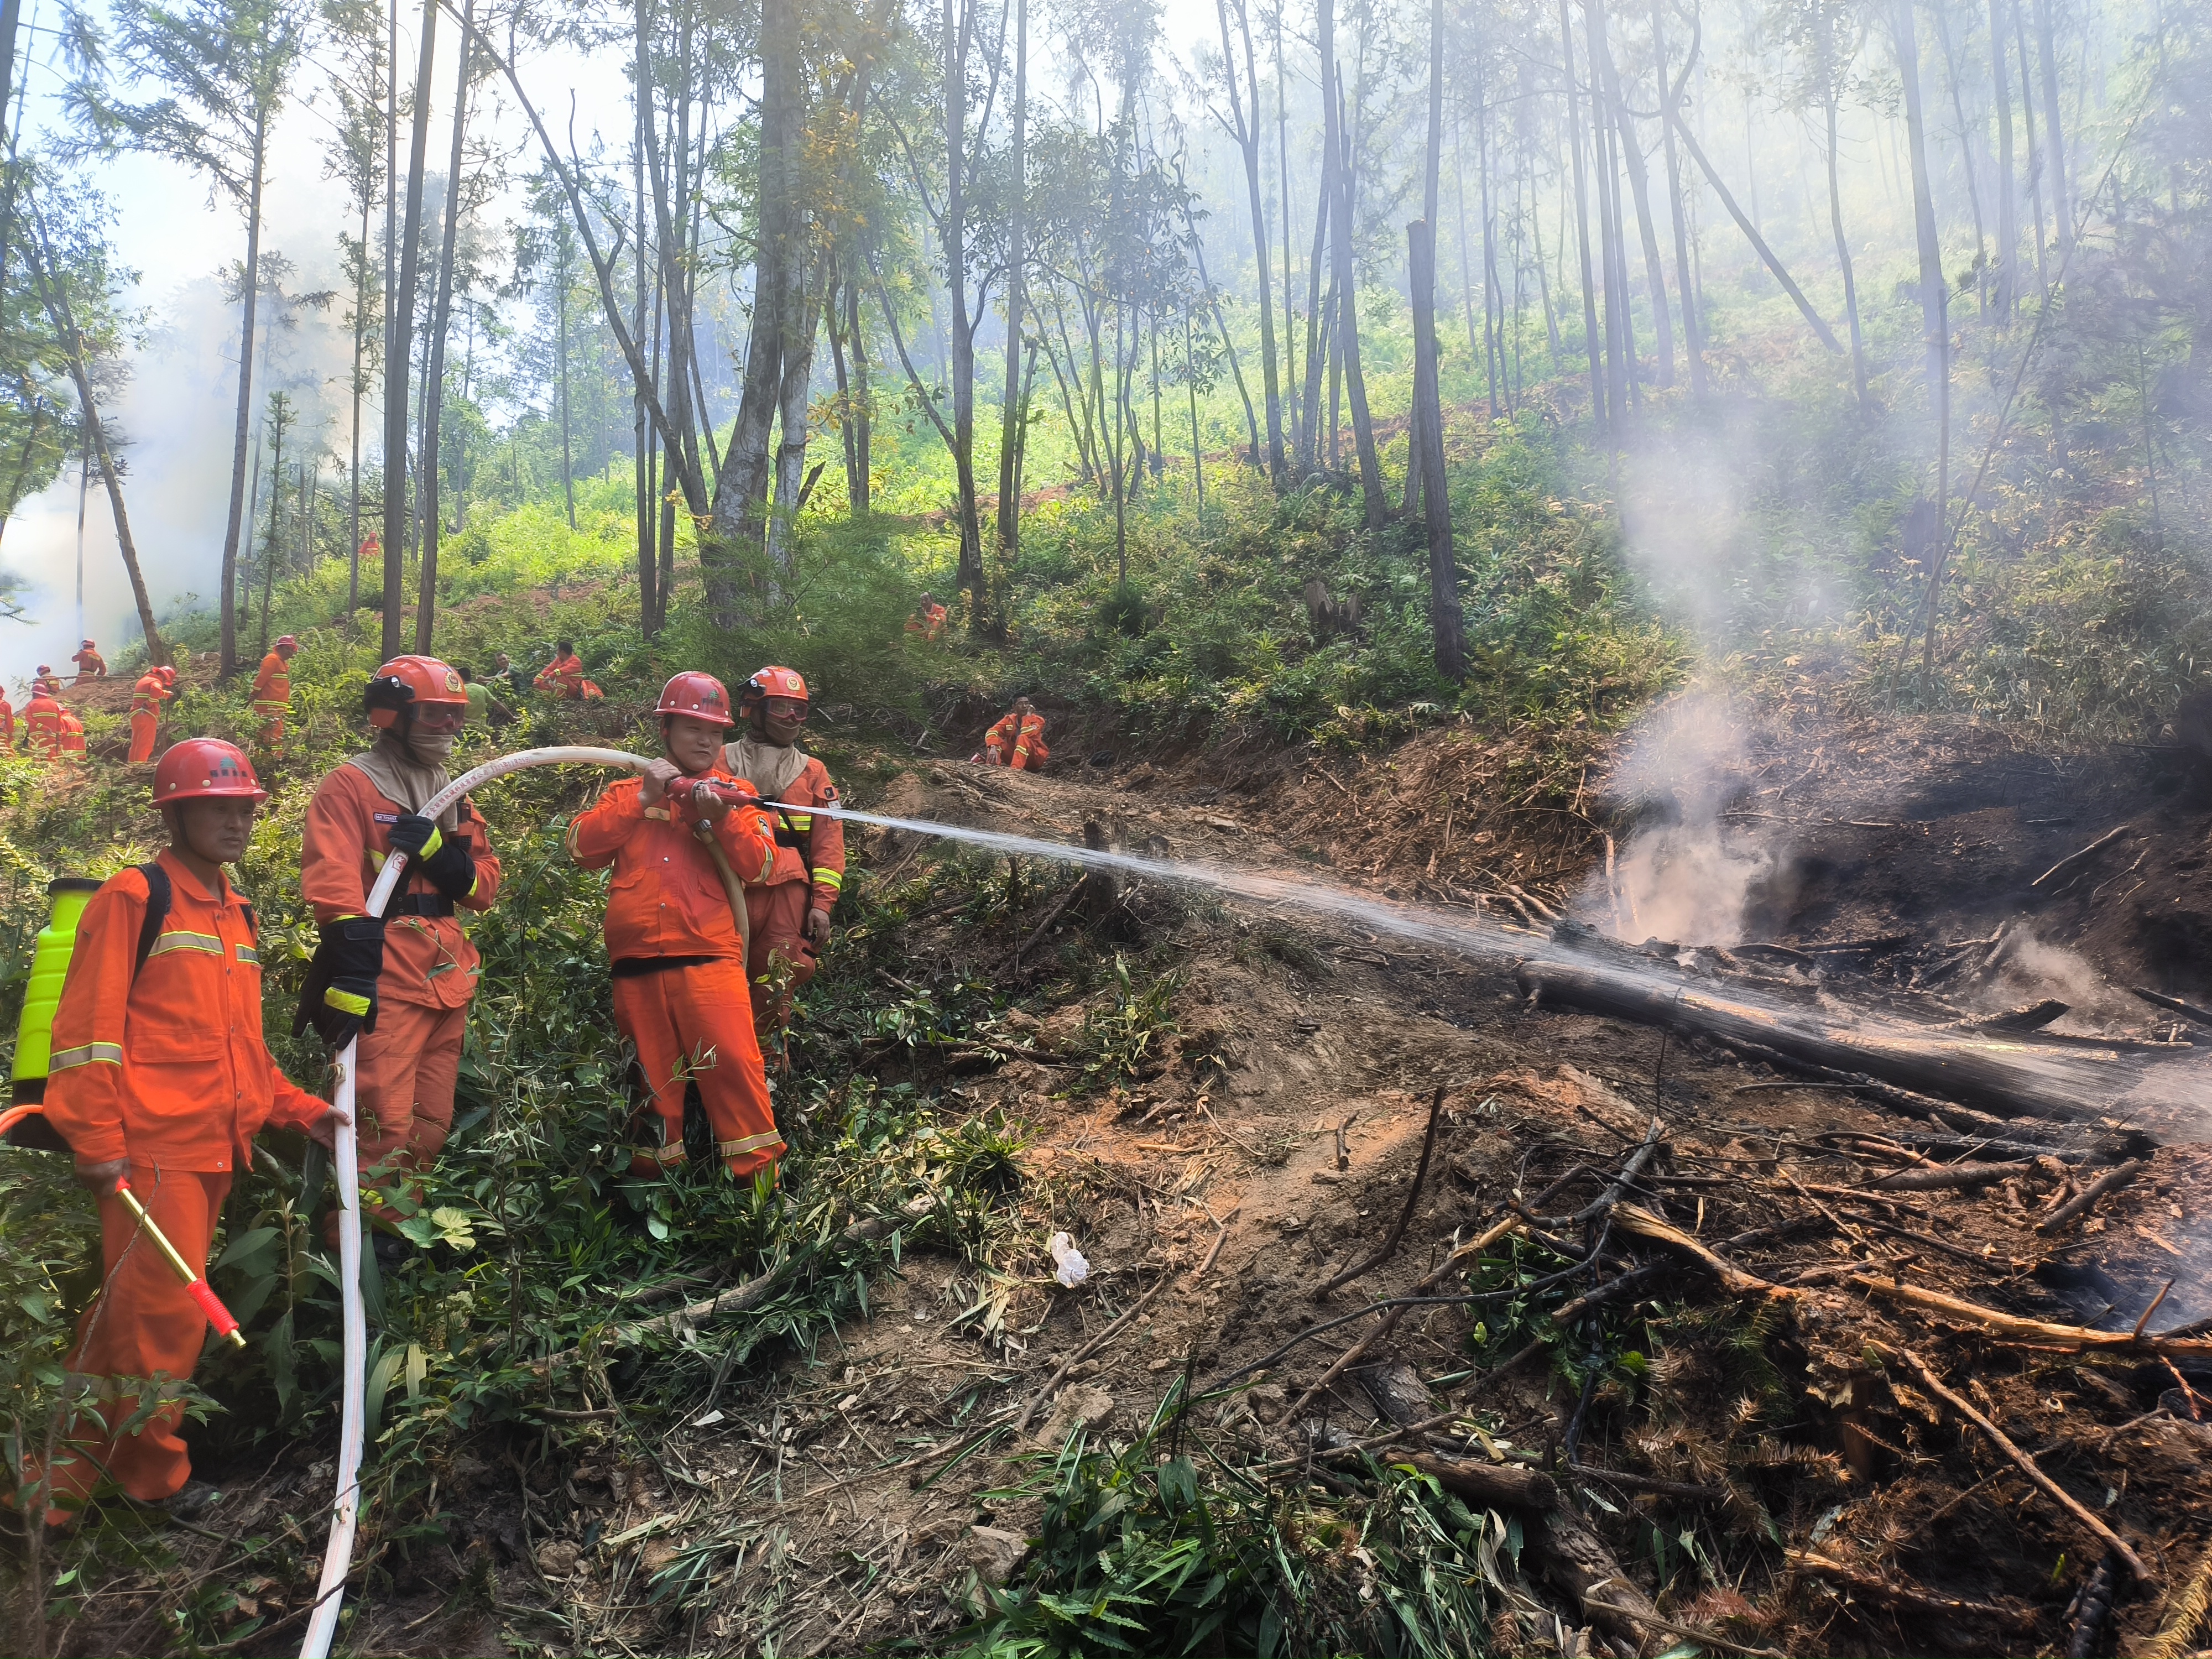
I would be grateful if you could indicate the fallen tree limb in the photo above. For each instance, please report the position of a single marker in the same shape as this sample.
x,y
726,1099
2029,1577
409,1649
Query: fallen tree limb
x,y
1634,1219
2186,1009
747,1297
2072,1337
2011,1079
2112,1181
1413,1198
1874,1588
2074,860
1946,1177
1508,1485
2026,1465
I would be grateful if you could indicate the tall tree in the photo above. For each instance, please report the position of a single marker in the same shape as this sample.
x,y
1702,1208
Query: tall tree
x,y
433,384
356,157
1600,407
2054,140
1341,222
1246,133
2005,285
226,67
1010,420
403,342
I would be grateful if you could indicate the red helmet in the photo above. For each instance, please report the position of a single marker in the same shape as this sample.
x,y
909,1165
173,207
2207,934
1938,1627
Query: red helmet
x,y
166,672
702,696
288,643
199,768
774,681
410,682
86,646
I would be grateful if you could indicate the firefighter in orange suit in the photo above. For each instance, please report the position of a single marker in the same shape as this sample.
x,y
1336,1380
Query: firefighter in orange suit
x,y
401,981
7,724
564,676
790,913
69,744
1018,740
683,840
928,619
155,686
272,694
47,681
90,665
42,723
160,1077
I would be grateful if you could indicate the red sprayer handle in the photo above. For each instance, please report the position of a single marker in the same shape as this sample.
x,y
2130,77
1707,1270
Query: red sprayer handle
x,y
198,1288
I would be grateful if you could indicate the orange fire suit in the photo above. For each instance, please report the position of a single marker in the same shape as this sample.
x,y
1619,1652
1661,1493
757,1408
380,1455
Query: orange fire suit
x,y
90,665
71,741
1022,735
272,698
928,621
809,873
679,966
147,697
403,1088
168,1069
7,724
564,677
42,726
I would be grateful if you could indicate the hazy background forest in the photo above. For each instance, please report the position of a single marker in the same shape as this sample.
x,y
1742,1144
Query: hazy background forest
x,y
1877,325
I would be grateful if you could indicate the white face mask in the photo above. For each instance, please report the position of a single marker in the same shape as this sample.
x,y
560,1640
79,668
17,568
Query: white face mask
x,y
429,748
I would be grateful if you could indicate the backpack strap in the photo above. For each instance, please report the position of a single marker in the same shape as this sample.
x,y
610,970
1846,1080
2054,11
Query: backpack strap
x,y
159,894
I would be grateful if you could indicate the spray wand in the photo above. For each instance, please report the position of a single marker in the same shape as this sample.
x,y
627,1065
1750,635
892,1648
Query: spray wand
x,y
198,1288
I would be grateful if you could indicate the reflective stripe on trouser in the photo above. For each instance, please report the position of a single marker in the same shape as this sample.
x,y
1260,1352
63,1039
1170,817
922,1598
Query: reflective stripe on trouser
x,y
404,1093
693,1024
777,919
143,1327
144,728
272,716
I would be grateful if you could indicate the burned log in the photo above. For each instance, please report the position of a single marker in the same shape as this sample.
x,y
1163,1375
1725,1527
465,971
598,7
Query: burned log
x,y
2012,1080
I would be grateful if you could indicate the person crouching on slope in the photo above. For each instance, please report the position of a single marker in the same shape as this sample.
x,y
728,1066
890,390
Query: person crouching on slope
x,y
789,914
682,840
160,1077
401,981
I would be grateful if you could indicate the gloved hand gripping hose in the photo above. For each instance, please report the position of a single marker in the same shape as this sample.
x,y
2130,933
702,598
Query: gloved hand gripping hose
x,y
345,1516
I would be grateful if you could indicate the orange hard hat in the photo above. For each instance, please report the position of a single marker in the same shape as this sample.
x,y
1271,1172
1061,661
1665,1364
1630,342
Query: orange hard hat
x,y
166,671
702,696
86,646
774,681
199,768
410,682
286,642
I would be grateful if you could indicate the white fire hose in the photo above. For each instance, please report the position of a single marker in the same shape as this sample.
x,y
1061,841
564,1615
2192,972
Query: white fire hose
x,y
346,1515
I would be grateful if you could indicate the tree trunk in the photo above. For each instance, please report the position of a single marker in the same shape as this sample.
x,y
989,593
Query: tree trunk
x,y
739,523
271,548
1246,134
1376,507
253,283
1844,255
802,328
1010,421
1934,330
1610,259
353,470
402,347
958,27
1599,411
1490,353
861,412
433,383
1640,191
1693,341
1310,400
2035,150
55,299
1965,155
1283,189
642,446
2005,290
1446,624
1771,260
2054,140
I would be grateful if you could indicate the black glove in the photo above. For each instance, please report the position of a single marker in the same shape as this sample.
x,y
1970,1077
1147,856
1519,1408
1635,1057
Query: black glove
x,y
339,1000
448,860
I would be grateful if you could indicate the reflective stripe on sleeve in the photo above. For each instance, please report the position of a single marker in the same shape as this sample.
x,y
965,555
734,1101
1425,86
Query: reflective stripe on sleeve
x,y
833,880
107,1053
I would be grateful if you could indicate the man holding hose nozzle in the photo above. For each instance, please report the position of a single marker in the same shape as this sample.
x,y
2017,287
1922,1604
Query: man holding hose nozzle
x,y
160,1077
683,840
402,982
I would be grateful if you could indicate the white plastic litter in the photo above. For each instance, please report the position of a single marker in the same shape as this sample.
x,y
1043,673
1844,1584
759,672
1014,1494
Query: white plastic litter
x,y
1069,1266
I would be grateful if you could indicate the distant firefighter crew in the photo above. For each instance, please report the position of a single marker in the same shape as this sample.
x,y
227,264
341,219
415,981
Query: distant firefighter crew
x,y
272,694
564,676
160,1077
403,981
684,840
155,686
928,618
790,914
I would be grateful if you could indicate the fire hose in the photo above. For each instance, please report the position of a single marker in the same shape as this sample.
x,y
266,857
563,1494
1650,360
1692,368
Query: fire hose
x,y
345,1514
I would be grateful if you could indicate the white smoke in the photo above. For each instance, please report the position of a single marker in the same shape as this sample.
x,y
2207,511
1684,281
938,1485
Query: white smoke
x,y
1684,876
